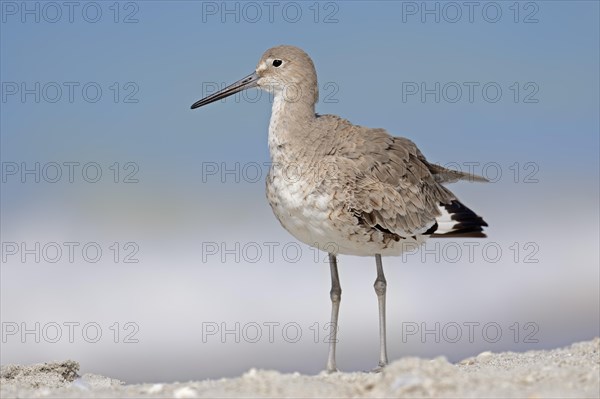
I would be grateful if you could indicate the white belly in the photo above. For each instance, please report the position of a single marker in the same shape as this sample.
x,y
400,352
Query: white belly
x,y
312,217
304,214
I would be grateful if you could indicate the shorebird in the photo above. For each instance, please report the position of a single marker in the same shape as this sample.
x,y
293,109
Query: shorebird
x,y
347,189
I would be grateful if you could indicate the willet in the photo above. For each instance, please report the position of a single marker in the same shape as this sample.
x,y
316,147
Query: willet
x,y
354,190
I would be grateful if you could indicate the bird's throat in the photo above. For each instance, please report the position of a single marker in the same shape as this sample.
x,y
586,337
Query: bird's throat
x,y
290,122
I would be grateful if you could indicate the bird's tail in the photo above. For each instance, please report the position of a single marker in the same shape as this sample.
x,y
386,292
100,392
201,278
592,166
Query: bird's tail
x,y
444,175
457,221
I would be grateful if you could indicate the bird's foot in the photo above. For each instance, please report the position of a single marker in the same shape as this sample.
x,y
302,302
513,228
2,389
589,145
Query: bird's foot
x,y
379,368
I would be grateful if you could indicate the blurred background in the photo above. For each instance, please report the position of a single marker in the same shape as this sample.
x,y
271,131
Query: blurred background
x,y
136,236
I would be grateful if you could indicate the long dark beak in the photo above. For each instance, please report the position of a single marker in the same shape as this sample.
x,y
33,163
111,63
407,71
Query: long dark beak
x,y
243,84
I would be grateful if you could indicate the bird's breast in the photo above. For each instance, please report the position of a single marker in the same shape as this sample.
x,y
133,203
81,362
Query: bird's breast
x,y
301,204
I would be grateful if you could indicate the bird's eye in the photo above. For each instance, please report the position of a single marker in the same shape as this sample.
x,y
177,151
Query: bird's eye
x,y
277,63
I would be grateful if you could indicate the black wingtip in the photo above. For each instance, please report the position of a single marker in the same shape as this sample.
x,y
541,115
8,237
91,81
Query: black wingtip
x,y
468,223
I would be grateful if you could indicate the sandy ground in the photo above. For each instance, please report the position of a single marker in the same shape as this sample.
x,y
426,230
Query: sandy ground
x,y
572,372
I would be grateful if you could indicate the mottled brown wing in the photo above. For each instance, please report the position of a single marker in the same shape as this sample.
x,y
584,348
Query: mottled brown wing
x,y
389,185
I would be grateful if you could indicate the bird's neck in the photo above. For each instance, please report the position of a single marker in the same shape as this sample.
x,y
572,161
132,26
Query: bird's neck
x,y
290,124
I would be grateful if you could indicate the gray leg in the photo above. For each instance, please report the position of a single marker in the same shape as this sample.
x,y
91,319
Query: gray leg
x,y
336,295
380,288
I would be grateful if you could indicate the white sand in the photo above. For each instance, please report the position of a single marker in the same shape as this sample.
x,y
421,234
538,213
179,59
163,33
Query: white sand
x,y
572,372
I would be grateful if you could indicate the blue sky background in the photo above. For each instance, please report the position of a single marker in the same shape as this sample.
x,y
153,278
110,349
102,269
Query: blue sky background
x,y
364,60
